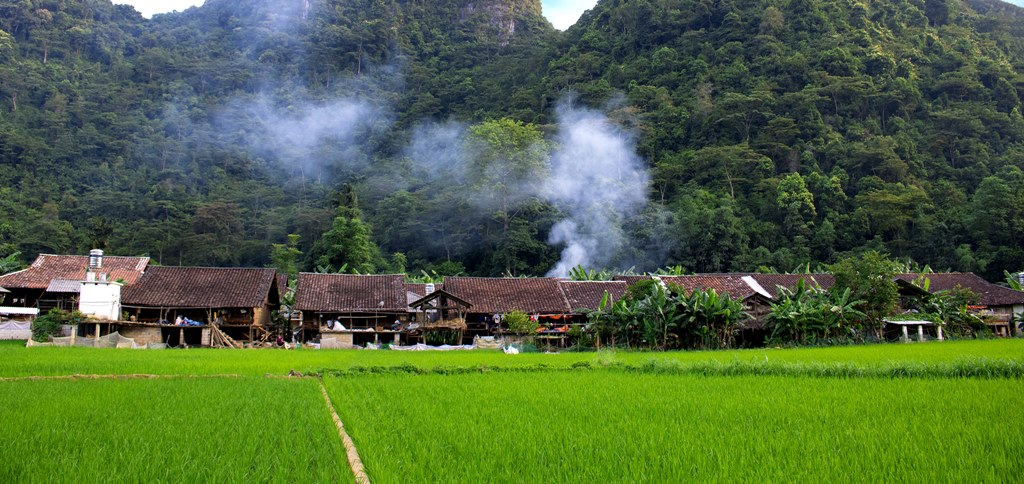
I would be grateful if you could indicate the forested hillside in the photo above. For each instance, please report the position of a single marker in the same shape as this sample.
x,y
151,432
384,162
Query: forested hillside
x,y
445,135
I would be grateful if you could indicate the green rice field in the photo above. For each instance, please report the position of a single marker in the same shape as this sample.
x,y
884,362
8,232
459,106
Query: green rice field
x,y
608,426
15,360
168,430
894,412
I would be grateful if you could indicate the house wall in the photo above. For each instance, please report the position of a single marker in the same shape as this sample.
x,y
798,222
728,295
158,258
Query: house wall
x,y
100,299
261,316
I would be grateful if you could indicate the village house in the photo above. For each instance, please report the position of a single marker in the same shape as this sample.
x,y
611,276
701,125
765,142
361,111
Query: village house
x,y
346,310
556,304
586,296
189,305
54,281
1000,307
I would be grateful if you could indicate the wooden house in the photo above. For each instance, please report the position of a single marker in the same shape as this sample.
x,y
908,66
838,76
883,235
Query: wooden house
x,y
238,301
346,310
52,281
491,298
1000,307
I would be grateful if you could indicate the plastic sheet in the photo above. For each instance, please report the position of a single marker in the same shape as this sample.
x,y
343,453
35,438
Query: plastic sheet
x,y
15,330
423,347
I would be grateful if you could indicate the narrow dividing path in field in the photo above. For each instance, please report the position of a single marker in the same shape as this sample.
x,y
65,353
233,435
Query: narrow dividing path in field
x,y
354,462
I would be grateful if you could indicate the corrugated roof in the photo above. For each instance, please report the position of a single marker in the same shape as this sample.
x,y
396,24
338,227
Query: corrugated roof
x,y
48,267
989,294
65,286
588,294
351,293
535,295
202,287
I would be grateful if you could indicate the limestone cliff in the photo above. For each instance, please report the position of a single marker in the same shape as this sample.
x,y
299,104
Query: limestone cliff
x,y
502,17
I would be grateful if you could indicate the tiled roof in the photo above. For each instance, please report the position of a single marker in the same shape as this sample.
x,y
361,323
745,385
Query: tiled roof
x,y
630,280
731,284
536,295
202,287
282,285
351,293
740,285
588,294
415,291
989,294
48,267
771,282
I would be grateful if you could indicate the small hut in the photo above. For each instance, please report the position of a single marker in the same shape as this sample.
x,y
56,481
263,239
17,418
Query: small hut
x,y
440,317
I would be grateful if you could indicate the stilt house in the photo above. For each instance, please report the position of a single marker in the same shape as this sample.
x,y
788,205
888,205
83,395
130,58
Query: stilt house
x,y
237,300
350,309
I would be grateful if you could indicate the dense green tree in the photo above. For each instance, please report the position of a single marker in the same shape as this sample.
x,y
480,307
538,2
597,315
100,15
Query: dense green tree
x,y
348,245
170,136
870,279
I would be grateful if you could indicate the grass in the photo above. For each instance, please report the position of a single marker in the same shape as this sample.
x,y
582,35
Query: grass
x,y
20,361
168,430
614,426
893,412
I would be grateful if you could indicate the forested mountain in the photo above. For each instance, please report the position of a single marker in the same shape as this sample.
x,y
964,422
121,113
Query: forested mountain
x,y
442,135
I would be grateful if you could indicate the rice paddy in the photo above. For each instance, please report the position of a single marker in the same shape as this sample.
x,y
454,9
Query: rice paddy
x,y
168,430
606,426
894,412
15,360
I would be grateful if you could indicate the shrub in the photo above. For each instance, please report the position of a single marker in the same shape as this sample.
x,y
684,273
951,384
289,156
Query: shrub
x,y
520,323
50,323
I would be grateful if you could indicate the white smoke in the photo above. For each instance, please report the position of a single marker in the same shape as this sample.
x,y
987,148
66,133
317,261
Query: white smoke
x,y
316,140
598,181
438,150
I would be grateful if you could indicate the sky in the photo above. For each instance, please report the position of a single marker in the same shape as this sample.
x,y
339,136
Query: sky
x,y
561,13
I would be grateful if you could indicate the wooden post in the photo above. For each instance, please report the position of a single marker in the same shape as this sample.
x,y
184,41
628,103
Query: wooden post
x,y
940,332
920,332
181,337
906,337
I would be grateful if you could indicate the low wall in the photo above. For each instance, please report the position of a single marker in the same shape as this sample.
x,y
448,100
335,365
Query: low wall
x,y
335,340
142,335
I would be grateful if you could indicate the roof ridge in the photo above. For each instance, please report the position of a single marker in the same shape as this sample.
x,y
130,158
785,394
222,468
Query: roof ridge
x,y
565,297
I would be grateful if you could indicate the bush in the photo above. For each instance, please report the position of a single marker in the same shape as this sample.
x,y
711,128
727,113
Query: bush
x,y
520,323
50,323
